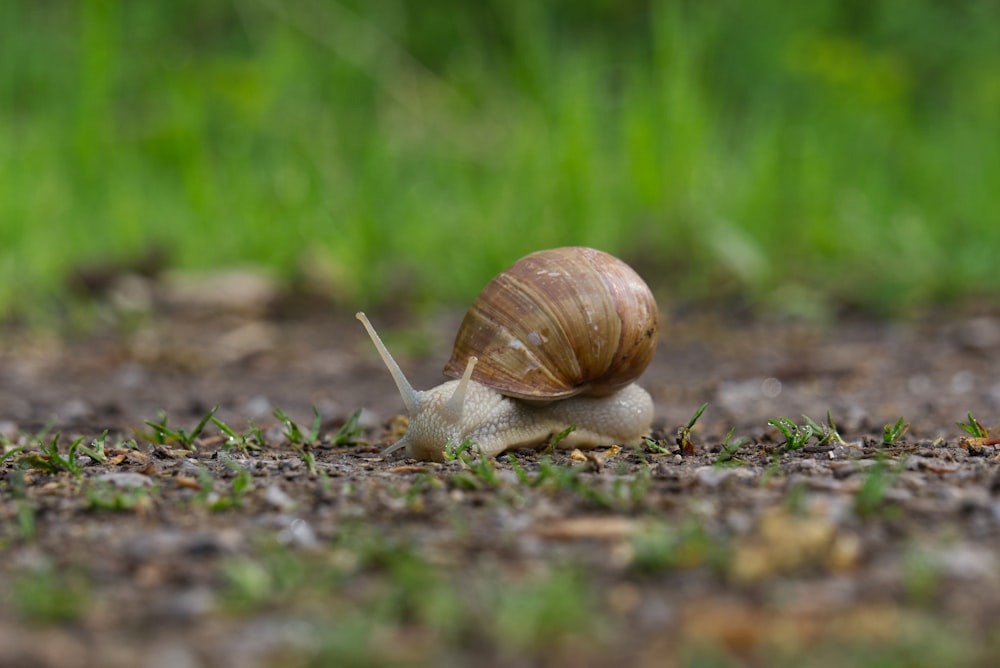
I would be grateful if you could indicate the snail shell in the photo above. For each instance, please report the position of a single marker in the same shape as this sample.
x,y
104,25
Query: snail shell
x,y
559,323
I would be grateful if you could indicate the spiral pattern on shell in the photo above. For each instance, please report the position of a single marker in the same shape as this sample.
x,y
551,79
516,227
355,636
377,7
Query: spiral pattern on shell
x,y
558,323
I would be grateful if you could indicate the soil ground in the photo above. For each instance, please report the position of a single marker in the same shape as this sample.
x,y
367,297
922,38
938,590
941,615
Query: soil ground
x,y
212,555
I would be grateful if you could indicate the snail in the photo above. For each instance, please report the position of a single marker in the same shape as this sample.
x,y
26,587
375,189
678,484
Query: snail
x,y
554,341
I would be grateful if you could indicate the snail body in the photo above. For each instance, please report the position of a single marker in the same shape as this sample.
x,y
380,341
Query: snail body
x,y
556,340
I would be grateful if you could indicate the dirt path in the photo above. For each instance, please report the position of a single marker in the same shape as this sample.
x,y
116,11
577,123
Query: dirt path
x,y
325,554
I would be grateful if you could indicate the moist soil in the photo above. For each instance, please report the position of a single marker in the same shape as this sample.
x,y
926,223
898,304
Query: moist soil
x,y
297,551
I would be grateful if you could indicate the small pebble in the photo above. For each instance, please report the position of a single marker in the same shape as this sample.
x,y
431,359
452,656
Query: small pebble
x,y
278,498
8,429
298,533
126,479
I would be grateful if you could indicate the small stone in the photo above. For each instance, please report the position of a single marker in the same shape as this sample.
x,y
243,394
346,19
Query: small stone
x,y
711,476
188,605
298,533
277,498
126,479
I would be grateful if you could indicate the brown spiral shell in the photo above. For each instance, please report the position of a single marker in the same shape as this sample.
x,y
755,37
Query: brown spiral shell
x,y
559,323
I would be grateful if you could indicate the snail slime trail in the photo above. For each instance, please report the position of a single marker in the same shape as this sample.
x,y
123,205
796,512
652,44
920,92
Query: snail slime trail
x,y
557,339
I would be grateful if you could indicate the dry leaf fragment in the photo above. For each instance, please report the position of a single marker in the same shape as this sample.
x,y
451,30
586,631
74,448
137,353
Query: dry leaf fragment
x,y
407,468
603,528
186,482
934,468
592,455
978,441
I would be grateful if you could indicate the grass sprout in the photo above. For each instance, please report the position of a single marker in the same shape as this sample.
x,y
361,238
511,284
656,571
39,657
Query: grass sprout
x,y
96,449
562,435
684,433
25,510
104,496
349,431
730,448
453,451
478,469
654,446
50,460
163,435
252,439
891,433
662,547
869,500
302,442
974,427
12,453
293,433
796,436
560,478
208,497
50,595
825,433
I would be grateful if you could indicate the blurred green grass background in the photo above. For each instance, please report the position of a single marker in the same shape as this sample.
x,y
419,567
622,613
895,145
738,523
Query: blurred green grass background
x,y
800,156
